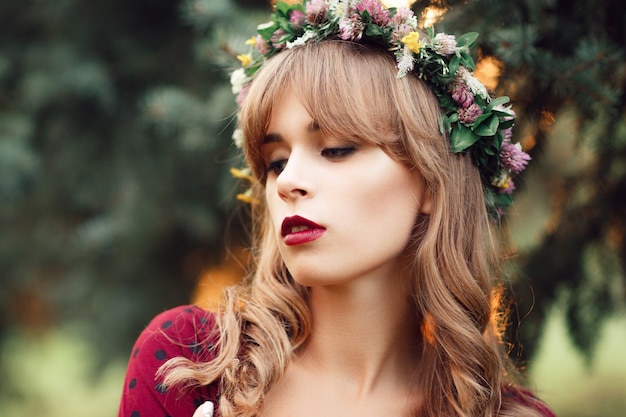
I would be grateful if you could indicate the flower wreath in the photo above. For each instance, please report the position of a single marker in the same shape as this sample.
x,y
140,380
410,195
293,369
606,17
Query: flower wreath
x,y
472,119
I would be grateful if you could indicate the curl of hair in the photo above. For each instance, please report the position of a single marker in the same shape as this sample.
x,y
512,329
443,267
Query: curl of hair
x,y
454,257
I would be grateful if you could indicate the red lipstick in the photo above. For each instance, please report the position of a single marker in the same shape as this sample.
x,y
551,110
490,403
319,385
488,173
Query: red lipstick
x,y
297,230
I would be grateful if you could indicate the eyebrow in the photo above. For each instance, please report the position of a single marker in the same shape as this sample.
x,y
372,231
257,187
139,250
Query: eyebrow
x,y
312,127
272,138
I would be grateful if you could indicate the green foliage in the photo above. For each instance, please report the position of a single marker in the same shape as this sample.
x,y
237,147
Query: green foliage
x,y
561,58
114,154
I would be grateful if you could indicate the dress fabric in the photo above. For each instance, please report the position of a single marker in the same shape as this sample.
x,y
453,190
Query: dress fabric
x,y
190,332
186,331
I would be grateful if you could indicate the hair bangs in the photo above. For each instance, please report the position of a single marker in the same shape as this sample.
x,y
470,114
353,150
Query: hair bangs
x,y
346,102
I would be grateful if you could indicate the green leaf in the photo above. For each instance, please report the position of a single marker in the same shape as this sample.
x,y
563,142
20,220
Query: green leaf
x,y
365,17
502,199
498,101
462,138
467,40
502,114
287,37
444,124
488,127
284,23
251,69
467,61
507,124
283,8
454,64
480,119
267,32
373,30
497,141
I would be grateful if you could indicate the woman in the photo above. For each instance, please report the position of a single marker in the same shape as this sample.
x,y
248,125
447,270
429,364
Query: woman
x,y
377,161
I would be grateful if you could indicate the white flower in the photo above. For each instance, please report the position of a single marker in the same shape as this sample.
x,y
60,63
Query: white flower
x,y
506,109
265,25
502,180
405,16
336,7
411,20
405,62
308,35
473,84
237,80
238,137
444,44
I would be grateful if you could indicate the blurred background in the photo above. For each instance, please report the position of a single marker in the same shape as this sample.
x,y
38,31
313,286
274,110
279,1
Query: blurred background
x,y
116,200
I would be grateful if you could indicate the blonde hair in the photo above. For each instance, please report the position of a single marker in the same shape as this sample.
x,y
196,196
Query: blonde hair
x,y
353,91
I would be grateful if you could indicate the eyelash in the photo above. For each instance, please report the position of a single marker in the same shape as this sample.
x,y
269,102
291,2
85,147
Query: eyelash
x,y
338,153
277,166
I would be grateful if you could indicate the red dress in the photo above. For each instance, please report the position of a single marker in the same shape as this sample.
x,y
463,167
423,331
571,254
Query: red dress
x,y
183,331
189,331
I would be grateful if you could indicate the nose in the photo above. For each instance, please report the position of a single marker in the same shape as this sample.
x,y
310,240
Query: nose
x,y
294,181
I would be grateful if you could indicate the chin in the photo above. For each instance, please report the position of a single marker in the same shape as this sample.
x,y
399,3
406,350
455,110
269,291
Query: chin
x,y
316,278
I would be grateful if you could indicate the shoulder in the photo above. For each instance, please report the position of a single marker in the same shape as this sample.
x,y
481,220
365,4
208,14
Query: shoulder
x,y
518,395
185,331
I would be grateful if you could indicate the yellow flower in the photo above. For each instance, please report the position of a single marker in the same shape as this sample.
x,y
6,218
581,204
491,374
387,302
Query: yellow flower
x,y
245,59
247,197
502,181
242,174
251,41
412,40
245,174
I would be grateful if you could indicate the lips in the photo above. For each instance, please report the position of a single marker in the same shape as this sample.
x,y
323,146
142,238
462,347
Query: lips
x,y
297,230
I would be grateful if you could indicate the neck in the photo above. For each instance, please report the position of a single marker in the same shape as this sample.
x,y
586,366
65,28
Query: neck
x,y
365,334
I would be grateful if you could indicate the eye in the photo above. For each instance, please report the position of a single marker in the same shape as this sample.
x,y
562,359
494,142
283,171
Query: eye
x,y
339,152
276,166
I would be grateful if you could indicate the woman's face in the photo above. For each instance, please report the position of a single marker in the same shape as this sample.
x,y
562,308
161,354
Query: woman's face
x,y
340,210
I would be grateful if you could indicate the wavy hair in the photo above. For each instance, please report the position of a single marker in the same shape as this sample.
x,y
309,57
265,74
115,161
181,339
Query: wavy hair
x,y
353,91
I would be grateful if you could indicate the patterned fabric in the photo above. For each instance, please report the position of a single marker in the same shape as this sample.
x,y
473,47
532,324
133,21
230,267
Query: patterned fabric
x,y
188,331
183,331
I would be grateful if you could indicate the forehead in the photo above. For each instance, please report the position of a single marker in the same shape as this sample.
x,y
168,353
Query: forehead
x,y
289,114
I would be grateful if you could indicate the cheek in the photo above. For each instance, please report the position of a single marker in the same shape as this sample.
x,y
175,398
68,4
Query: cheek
x,y
273,201
393,191
383,216
270,195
